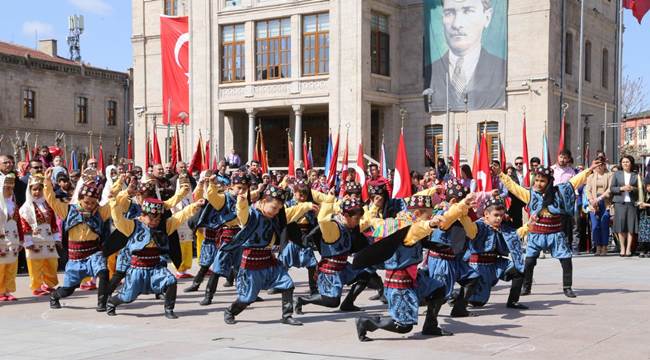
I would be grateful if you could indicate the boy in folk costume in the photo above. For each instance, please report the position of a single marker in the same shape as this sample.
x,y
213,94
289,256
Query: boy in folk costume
x,y
85,222
495,253
259,270
185,234
406,287
11,238
340,234
220,224
149,245
42,238
548,206
449,264
132,210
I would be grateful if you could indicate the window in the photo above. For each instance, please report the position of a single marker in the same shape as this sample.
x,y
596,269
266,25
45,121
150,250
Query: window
x,y
379,45
605,71
588,61
491,129
629,132
643,132
273,49
111,113
315,44
232,3
232,53
568,53
171,7
82,110
29,104
433,143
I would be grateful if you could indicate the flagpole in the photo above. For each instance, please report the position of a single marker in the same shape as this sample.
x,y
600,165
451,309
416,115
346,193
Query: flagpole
x,y
619,109
580,79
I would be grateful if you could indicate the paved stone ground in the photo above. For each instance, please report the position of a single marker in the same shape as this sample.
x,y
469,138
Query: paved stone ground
x,y
609,319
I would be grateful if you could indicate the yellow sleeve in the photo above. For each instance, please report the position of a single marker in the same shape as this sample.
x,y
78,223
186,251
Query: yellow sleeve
x,y
294,213
198,193
105,211
519,191
471,230
328,228
418,230
320,197
178,197
122,201
216,198
283,184
370,218
116,187
122,224
60,208
255,195
176,220
427,192
454,213
242,211
580,178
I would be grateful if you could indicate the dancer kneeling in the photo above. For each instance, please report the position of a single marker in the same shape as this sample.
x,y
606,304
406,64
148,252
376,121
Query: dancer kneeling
x,y
406,286
149,247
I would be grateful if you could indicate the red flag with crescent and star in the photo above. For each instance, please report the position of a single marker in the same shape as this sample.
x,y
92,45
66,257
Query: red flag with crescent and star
x,y
174,42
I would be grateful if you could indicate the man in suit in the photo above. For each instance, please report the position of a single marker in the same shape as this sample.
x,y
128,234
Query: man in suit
x,y
476,77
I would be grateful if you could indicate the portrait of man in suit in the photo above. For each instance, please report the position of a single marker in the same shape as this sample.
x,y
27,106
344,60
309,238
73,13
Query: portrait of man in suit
x,y
467,73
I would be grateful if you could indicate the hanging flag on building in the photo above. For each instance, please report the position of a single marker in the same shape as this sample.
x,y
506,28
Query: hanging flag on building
x,y
402,180
639,8
174,41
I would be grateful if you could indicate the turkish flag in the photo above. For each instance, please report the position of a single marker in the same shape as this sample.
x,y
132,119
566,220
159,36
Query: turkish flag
x,y
157,159
483,175
639,8
361,173
305,155
175,43
525,155
560,147
402,180
100,160
331,178
291,166
196,164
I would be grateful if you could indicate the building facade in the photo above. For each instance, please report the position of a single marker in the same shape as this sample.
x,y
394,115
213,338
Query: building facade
x,y
45,95
634,137
307,67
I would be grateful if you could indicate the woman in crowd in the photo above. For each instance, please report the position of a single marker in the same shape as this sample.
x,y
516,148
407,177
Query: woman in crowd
x,y
625,193
644,221
466,177
598,197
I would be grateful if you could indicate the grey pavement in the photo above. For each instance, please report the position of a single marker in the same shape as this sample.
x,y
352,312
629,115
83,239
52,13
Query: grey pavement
x,y
609,319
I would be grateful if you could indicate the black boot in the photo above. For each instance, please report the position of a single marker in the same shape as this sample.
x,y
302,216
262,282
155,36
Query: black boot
x,y
233,310
273,291
567,277
170,302
116,279
313,283
54,299
102,291
230,280
365,324
515,291
316,299
198,279
460,304
112,304
287,308
434,303
376,283
356,290
210,289
59,293
529,268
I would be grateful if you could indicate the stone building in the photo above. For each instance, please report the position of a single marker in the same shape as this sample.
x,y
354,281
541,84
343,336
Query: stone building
x,y
634,137
45,94
306,66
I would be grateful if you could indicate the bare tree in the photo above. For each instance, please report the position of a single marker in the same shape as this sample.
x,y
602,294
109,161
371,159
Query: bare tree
x,y
633,95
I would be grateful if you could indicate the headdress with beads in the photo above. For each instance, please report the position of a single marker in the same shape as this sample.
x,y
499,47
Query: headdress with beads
x,y
152,206
420,202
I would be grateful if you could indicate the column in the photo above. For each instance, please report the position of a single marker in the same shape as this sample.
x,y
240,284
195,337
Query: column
x,y
297,137
251,132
